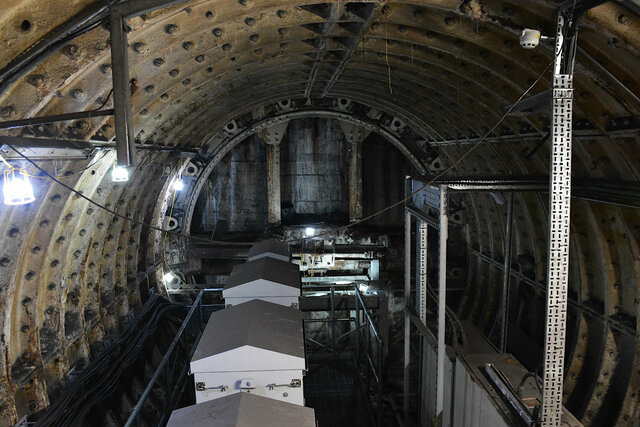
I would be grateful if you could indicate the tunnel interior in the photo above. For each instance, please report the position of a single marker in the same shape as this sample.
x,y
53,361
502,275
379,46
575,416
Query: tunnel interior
x,y
278,116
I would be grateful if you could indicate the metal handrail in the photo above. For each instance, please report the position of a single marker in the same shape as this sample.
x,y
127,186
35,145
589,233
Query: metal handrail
x,y
136,410
366,313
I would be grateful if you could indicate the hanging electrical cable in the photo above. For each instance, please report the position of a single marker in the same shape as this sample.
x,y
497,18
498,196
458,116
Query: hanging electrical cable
x,y
327,232
444,172
119,215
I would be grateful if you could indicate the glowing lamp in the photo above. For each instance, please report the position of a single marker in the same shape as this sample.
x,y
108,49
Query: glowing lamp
x,y
119,174
309,231
178,184
168,277
17,188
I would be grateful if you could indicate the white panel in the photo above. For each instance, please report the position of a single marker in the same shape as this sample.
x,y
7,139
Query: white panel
x,y
261,287
270,255
429,372
251,382
247,358
472,406
286,301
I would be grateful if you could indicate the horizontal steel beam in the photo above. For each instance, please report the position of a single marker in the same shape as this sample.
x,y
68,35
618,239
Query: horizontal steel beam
x,y
622,193
21,141
340,302
43,153
616,128
11,124
335,279
421,216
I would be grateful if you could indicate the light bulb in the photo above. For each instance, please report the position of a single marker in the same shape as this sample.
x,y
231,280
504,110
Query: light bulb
x,y
363,288
168,277
119,174
309,231
178,184
17,188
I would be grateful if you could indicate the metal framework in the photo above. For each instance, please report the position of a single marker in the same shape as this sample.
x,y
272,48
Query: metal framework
x,y
615,192
442,298
118,14
407,319
125,143
437,198
558,256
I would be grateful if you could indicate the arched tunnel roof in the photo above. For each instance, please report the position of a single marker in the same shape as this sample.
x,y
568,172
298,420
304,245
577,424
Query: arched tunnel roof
x,y
443,69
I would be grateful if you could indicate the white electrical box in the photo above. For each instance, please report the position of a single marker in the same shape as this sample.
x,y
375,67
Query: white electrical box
x,y
243,409
256,348
267,279
269,248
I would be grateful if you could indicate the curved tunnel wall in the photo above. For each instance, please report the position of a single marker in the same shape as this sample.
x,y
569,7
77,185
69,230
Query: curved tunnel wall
x,y
444,67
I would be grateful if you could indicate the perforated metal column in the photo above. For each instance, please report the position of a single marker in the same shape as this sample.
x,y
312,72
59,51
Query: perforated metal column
x,y
558,257
407,321
442,298
421,269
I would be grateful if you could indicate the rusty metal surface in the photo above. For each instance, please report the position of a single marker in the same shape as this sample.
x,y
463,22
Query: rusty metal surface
x,y
443,67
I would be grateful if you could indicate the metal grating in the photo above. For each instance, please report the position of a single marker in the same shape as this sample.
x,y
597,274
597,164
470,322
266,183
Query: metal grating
x,y
558,259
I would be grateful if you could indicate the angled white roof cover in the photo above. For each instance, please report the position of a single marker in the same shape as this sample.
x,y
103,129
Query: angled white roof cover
x,y
255,323
243,410
269,248
274,270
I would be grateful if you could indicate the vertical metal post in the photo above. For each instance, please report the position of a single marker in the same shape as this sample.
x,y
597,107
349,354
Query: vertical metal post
x,y
421,303
379,368
442,299
333,321
507,275
559,222
407,320
125,143
423,228
367,346
355,297
383,322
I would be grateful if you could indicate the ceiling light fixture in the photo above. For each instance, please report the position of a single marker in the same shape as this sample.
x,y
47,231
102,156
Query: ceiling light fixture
x,y
119,174
309,231
177,184
17,188
168,277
